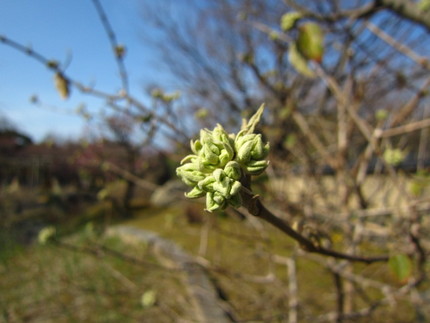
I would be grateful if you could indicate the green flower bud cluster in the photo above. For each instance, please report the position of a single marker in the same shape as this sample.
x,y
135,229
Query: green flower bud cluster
x,y
251,152
218,162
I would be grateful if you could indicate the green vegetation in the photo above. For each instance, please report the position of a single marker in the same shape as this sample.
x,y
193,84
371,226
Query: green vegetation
x,y
54,284
89,283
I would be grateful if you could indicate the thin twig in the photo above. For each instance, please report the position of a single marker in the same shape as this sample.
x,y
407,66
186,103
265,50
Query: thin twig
x,y
129,176
29,51
340,299
410,127
256,208
111,99
293,290
115,46
314,140
423,61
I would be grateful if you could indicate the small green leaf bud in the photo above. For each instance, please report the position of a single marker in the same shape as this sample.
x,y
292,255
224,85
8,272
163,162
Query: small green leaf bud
x,y
289,19
214,201
196,192
219,133
215,149
206,137
244,152
209,156
232,170
257,148
256,167
235,188
189,158
196,146
219,199
62,84
189,174
207,184
46,234
219,175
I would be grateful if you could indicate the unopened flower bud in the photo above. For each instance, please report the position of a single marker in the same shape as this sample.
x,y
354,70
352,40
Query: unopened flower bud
x,y
256,167
214,201
219,162
195,193
196,146
189,174
209,156
206,184
251,152
244,152
232,169
235,188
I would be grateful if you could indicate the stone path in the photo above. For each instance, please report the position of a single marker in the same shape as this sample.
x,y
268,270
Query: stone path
x,y
207,306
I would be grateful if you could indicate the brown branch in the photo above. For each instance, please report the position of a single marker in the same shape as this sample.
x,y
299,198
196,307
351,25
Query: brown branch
x,y
111,99
55,67
410,127
340,299
115,46
312,137
256,208
29,51
402,48
354,13
129,176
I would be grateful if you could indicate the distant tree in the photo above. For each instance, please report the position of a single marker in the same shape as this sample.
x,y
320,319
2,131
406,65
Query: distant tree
x,y
235,54
346,87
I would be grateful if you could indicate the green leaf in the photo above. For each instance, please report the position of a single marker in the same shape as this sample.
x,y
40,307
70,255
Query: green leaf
x,y
103,194
62,85
401,266
148,298
196,192
273,35
381,114
233,170
424,5
299,62
310,42
248,127
394,156
420,183
201,113
46,234
289,19
120,51
290,141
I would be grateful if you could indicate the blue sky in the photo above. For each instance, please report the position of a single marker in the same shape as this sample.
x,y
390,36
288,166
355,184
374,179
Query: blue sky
x,y
58,30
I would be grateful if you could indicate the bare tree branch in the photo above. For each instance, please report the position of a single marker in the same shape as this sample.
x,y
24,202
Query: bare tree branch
x,y
117,50
256,208
408,10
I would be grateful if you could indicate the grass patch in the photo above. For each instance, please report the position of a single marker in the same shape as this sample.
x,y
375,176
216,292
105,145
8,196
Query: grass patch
x,y
51,284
